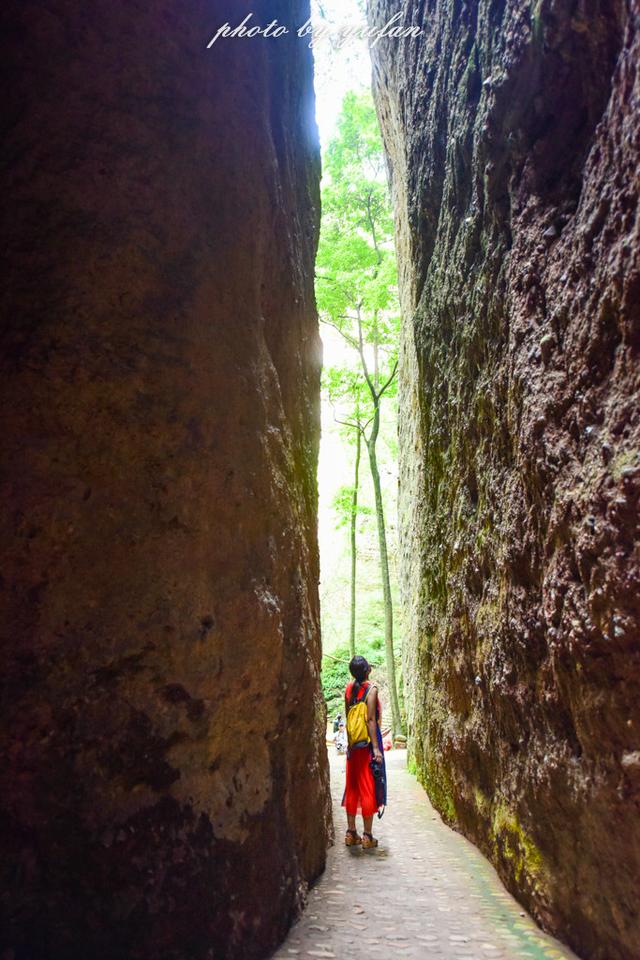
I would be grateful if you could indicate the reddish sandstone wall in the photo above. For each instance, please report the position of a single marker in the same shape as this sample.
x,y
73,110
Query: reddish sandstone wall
x,y
513,133
163,792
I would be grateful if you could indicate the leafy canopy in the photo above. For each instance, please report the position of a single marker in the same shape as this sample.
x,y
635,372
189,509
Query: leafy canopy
x,y
356,272
356,265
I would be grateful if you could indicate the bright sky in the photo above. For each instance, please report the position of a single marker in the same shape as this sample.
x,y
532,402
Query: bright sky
x,y
338,68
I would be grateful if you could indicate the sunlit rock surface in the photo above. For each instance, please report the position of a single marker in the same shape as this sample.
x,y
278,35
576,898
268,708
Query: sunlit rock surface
x,y
513,134
163,791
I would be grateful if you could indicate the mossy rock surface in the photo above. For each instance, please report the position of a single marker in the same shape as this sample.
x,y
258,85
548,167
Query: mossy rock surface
x,y
512,132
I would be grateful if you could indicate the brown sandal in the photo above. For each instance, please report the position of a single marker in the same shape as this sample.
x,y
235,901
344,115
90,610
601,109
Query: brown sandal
x,y
368,841
352,839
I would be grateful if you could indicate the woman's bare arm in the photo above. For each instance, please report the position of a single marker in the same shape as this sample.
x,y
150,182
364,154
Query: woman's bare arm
x,y
372,721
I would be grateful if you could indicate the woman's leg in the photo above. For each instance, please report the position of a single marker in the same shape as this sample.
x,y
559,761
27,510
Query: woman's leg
x,y
368,839
350,802
352,837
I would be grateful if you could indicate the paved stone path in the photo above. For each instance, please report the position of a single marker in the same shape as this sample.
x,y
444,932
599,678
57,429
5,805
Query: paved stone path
x,y
425,892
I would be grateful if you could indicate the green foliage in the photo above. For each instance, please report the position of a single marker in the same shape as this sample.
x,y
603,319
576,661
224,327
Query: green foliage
x,y
343,505
357,295
335,674
335,677
356,270
348,393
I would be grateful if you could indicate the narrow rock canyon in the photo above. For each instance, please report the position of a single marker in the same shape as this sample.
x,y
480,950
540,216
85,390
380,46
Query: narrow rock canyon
x,y
513,137
164,784
160,424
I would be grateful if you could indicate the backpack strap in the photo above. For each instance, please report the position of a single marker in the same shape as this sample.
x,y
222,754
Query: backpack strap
x,y
352,701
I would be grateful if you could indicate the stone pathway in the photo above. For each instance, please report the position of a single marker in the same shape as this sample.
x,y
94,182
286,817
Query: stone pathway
x,y
425,892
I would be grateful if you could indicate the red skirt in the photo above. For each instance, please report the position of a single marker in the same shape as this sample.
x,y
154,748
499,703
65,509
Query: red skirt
x,y
360,791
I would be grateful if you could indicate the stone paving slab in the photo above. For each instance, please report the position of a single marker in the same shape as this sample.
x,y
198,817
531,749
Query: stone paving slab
x,y
425,892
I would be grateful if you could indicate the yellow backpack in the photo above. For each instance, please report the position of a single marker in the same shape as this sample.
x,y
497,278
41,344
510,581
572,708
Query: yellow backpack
x,y
357,727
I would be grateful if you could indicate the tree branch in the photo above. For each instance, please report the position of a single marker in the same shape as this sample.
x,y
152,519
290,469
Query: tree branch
x,y
347,292
348,423
363,359
350,340
390,380
357,425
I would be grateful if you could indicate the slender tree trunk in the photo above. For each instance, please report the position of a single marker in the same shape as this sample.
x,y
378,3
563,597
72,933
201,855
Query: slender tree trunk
x,y
376,355
386,580
354,516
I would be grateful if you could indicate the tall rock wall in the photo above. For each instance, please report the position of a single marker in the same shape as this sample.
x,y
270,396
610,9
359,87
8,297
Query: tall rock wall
x,y
163,788
513,135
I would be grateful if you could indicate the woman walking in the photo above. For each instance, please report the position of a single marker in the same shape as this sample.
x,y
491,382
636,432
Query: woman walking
x,y
362,709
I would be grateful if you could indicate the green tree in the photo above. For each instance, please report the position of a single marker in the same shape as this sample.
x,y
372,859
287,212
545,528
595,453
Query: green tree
x,y
341,384
357,295
353,543
346,506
